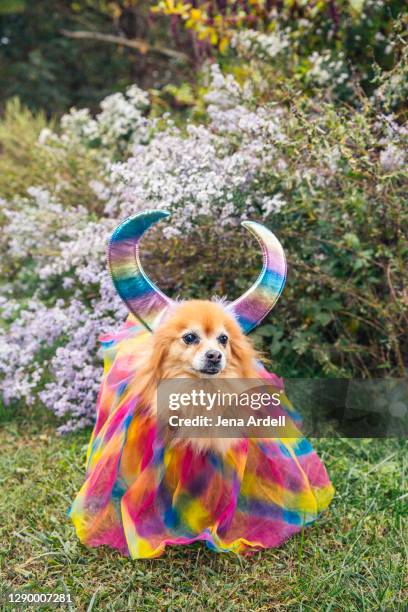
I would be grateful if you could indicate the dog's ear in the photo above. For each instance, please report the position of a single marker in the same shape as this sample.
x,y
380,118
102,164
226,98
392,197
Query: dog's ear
x,y
243,355
157,358
151,370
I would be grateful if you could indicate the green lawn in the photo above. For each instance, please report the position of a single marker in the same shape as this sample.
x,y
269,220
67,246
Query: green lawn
x,y
354,558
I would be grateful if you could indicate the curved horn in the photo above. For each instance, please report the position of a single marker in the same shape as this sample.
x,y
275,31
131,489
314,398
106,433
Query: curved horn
x,y
140,295
258,301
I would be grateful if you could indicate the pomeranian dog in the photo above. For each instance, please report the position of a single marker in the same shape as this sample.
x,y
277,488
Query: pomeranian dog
x,y
148,486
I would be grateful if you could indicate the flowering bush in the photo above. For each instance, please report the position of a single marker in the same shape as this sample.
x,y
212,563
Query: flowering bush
x,y
254,44
58,258
208,170
117,128
57,253
314,34
329,181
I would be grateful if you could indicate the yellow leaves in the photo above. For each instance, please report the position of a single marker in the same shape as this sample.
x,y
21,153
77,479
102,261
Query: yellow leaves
x,y
171,7
197,19
223,45
193,24
209,24
213,36
196,14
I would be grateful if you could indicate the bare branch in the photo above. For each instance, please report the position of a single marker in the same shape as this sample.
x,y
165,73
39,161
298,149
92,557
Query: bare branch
x,y
133,43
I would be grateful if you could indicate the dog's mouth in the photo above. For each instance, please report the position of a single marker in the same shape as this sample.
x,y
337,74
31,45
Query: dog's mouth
x,y
212,370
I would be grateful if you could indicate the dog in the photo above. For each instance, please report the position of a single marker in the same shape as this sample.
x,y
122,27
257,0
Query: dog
x,y
143,491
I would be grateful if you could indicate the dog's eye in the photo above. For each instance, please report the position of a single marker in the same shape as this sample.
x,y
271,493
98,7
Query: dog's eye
x,y
191,338
223,339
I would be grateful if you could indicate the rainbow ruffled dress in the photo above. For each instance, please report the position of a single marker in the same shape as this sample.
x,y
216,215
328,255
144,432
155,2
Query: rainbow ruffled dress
x,y
140,496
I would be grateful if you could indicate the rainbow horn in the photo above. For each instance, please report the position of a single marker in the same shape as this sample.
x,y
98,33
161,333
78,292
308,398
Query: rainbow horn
x,y
261,297
139,293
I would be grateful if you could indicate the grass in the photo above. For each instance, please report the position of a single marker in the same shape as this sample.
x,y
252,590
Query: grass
x,y
354,558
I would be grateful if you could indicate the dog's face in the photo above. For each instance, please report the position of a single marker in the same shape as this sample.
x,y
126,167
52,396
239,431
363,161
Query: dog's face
x,y
202,349
201,339
195,339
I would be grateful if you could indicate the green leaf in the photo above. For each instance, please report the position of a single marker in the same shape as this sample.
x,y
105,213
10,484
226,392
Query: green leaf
x,y
352,241
323,318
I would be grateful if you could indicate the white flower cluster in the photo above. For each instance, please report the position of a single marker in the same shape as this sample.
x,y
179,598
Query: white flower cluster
x,y
395,141
60,340
327,71
392,158
120,124
67,251
212,170
258,45
36,223
76,365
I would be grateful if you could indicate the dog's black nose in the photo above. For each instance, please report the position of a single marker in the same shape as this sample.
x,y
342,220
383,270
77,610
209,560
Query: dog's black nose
x,y
213,356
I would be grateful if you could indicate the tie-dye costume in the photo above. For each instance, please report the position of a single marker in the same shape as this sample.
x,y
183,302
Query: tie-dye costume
x,y
139,494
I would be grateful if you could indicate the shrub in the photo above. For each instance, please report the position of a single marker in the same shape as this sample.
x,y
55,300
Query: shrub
x,y
320,37
329,180
25,161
